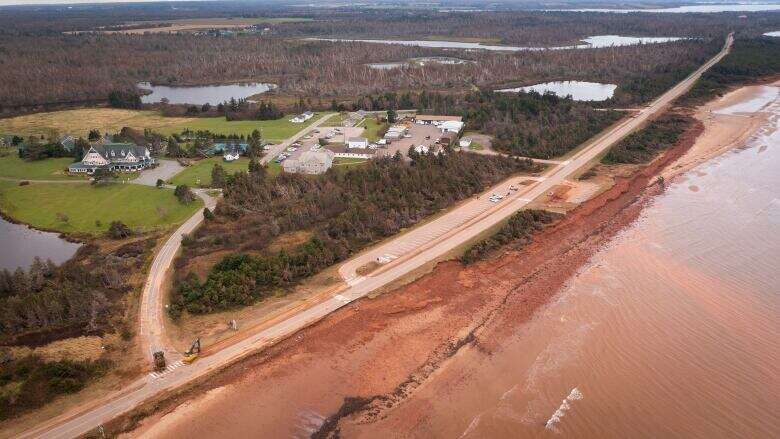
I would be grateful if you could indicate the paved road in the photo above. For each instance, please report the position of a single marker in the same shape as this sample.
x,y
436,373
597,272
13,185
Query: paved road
x,y
104,410
151,313
165,170
278,148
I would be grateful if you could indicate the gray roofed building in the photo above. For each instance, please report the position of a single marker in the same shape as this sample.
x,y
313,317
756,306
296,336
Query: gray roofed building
x,y
310,162
113,157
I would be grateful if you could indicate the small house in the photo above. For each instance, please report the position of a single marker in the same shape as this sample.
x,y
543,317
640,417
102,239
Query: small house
x,y
357,142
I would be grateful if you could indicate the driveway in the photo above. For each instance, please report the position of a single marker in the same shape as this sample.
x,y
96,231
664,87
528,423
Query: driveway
x,y
164,170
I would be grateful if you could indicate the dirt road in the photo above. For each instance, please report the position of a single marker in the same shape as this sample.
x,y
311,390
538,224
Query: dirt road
x,y
71,425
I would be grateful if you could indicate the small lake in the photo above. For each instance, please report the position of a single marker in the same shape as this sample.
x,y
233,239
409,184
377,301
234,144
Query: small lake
x,y
685,9
578,90
22,244
203,94
593,42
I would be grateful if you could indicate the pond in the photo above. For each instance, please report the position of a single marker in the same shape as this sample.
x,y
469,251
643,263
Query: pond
x,y
421,61
578,90
593,42
22,244
202,94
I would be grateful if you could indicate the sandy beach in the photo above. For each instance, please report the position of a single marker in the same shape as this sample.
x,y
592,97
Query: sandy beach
x,y
728,122
368,362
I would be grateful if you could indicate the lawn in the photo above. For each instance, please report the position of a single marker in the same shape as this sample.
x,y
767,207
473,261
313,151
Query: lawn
x,y
11,166
79,122
348,161
337,119
372,127
273,130
199,174
83,208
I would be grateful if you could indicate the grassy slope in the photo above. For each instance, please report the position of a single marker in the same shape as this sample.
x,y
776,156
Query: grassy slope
x,y
137,206
11,166
201,171
79,122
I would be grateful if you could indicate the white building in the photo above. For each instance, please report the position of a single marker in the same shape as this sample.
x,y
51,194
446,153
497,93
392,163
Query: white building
x,y
395,132
126,157
464,142
310,162
348,153
303,117
357,142
451,126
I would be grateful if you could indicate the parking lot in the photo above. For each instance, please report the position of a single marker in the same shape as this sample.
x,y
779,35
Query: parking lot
x,y
417,134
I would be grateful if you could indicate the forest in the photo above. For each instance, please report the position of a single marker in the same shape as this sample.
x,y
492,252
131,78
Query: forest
x,y
83,295
643,145
341,211
749,60
68,69
518,230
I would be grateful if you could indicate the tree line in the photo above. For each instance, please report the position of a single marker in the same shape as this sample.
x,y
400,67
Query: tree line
x,y
345,210
518,230
83,295
643,145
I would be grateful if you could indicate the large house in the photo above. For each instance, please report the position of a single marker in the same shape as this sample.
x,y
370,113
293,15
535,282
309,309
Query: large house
x,y
310,162
113,157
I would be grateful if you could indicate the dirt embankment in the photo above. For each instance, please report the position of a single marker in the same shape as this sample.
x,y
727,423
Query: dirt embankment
x,y
363,360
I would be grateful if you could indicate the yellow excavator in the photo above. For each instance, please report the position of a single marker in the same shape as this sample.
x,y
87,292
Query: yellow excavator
x,y
192,354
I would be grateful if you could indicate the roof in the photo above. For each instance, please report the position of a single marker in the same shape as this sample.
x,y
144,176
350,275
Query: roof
x,y
345,149
358,139
119,150
316,157
437,118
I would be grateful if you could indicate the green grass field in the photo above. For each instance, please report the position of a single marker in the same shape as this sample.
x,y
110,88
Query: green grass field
x,y
83,208
199,174
11,166
274,130
336,120
372,127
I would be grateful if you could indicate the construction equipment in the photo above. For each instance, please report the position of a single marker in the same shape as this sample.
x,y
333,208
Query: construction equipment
x,y
159,361
192,354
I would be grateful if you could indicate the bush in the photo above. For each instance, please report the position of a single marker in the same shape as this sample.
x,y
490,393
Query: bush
x,y
31,382
519,227
184,194
643,145
118,230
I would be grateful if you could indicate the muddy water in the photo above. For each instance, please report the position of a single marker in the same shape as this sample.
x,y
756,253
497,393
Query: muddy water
x,y
673,330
